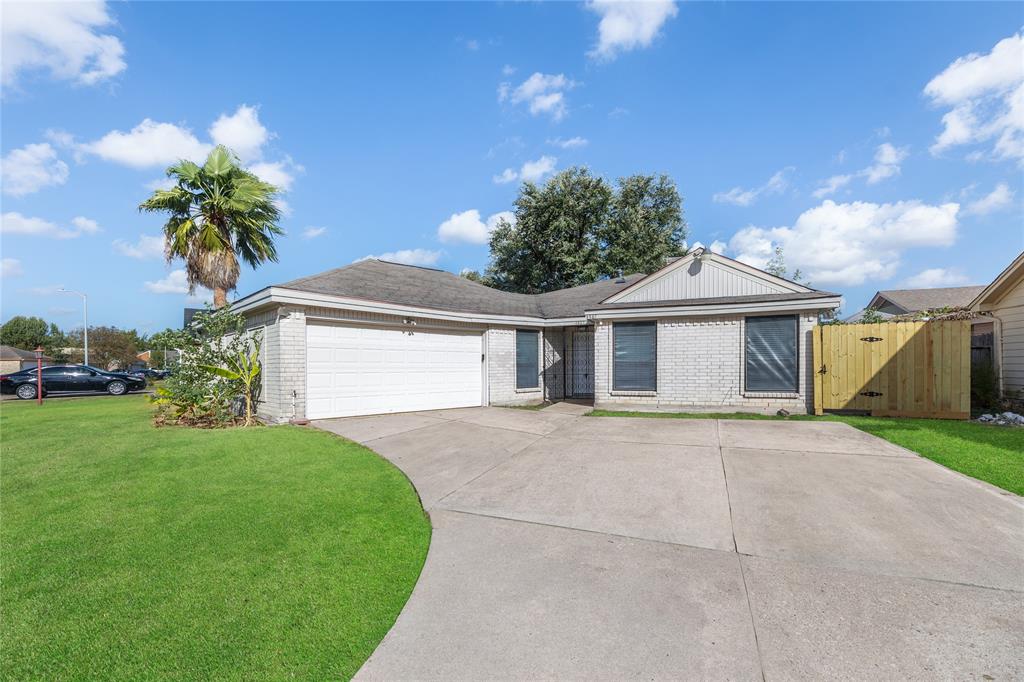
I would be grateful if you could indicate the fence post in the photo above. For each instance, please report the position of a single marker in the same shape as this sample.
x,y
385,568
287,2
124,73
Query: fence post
x,y
817,360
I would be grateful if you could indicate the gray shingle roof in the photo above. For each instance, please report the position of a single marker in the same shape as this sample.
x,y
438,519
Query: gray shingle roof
x,y
377,280
12,353
913,300
386,282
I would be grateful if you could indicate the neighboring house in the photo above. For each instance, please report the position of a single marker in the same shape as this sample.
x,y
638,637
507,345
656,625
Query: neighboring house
x,y
14,359
373,337
903,301
1001,304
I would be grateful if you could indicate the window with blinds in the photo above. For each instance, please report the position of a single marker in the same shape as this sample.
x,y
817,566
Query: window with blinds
x,y
635,361
771,354
527,362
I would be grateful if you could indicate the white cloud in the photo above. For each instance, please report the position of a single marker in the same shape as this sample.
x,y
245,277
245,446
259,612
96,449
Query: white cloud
x,y
409,256
738,196
718,246
886,164
31,168
281,174
849,244
313,232
531,171
241,132
62,38
16,223
159,183
997,199
469,227
985,97
147,247
147,145
283,206
534,171
176,282
935,277
626,26
508,70
11,267
543,93
831,185
571,143
506,176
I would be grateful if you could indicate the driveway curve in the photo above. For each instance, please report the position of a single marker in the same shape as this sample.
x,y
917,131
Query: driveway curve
x,y
571,547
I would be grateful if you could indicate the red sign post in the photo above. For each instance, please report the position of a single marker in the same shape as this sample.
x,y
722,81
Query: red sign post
x,y
39,375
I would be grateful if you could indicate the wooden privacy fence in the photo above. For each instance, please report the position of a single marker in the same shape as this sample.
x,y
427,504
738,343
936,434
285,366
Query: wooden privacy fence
x,y
894,369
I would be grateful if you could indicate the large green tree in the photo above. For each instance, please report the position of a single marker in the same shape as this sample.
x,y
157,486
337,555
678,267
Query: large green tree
x,y
219,213
644,227
27,333
576,228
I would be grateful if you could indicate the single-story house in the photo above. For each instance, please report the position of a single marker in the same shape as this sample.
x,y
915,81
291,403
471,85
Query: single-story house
x,y
1001,304
14,359
703,332
903,301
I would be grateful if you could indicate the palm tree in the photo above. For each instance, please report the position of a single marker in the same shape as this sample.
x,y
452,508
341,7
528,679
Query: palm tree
x,y
218,212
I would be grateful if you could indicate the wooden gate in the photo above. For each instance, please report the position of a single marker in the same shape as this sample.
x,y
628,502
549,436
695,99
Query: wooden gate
x,y
894,369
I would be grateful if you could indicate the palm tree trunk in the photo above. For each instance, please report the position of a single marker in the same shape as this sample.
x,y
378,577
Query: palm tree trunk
x,y
220,297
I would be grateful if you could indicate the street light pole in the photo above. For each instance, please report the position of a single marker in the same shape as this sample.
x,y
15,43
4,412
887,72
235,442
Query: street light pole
x,y
85,316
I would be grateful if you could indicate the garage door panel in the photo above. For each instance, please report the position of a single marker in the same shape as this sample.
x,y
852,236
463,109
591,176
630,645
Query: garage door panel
x,y
369,370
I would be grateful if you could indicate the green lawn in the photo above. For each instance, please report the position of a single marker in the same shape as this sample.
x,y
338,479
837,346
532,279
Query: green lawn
x,y
990,453
130,552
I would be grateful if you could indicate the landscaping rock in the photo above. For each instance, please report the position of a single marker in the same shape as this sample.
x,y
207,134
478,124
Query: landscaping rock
x,y
1004,419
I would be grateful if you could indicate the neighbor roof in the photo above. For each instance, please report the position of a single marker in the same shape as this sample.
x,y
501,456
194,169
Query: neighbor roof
x,y
399,284
12,353
913,300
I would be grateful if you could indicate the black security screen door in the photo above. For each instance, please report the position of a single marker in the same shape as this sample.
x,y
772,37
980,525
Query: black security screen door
x,y
635,348
771,354
527,370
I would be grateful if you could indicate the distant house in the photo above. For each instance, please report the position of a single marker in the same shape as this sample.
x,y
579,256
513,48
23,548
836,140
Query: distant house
x,y
904,301
14,359
1001,305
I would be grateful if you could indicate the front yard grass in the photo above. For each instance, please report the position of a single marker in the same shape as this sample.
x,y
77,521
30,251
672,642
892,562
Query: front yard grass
x,y
989,453
130,552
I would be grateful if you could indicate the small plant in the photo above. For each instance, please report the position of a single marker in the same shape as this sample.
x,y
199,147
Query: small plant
x,y
243,370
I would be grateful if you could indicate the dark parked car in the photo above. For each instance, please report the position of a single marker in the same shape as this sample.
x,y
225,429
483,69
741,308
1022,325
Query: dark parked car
x,y
76,378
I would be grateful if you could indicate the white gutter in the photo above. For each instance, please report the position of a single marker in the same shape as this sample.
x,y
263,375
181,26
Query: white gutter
x,y
279,296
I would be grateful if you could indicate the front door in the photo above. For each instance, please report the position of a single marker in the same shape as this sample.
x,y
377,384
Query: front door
x,y
581,363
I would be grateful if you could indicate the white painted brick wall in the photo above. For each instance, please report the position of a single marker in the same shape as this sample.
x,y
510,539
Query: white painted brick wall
x,y
700,367
501,369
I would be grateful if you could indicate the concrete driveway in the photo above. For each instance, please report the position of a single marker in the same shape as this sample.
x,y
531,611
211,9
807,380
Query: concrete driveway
x,y
570,547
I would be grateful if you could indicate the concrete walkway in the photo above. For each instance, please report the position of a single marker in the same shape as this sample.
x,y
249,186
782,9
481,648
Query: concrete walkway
x,y
570,547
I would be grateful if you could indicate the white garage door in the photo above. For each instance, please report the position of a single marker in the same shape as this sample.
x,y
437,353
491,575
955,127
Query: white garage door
x,y
372,370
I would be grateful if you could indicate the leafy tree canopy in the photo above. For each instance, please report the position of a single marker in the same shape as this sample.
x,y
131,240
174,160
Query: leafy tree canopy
x,y
27,333
577,228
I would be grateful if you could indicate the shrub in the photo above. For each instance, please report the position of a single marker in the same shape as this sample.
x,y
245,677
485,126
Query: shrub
x,y
194,394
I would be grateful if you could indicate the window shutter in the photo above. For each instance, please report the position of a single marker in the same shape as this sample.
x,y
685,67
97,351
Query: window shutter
x,y
771,354
527,370
635,365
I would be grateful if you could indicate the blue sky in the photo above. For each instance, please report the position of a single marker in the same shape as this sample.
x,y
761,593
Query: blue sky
x,y
880,144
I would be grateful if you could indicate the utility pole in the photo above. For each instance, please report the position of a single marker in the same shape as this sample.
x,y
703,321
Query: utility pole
x,y
85,319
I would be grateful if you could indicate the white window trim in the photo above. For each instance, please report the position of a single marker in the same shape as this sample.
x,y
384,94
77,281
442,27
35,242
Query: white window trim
x,y
657,361
515,361
754,395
